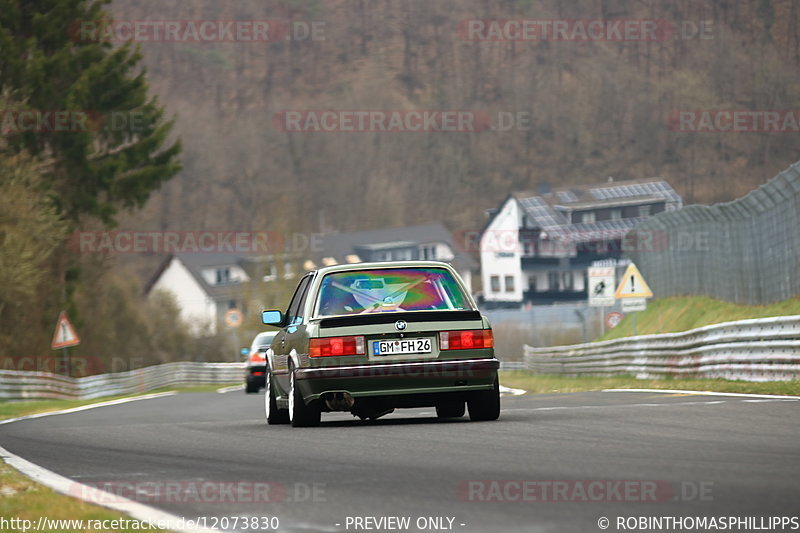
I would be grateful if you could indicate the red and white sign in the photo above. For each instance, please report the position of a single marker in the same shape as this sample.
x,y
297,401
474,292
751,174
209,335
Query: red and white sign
x,y
613,319
233,318
65,335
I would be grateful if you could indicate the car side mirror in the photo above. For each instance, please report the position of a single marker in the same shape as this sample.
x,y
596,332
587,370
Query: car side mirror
x,y
272,318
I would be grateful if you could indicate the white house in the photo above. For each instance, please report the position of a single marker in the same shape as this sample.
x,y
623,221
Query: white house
x,y
410,243
536,247
207,285
204,286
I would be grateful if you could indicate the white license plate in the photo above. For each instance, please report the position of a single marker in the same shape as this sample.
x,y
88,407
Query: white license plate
x,y
401,346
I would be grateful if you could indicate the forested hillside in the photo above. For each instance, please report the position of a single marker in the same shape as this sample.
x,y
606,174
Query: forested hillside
x,y
597,109
583,111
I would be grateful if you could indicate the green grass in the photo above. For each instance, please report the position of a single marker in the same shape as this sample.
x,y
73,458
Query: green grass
x,y
13,409
22,498
547,384
667,315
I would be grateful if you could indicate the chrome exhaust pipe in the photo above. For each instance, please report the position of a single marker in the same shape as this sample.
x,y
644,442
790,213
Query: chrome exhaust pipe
x,y
339,401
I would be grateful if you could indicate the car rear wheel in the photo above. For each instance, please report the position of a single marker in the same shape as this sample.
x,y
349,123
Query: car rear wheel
x,y
450,409
274,415
302,414
485,405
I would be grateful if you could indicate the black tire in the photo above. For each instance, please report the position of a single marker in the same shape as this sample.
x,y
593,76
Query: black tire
x,y
302,414
485,405
251,385
451,409
274,415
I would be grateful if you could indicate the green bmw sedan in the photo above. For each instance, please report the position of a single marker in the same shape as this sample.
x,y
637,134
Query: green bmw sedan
x,y
372,337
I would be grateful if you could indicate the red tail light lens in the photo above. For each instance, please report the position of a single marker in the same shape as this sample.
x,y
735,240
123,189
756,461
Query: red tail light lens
x,y
468,339
258,357
333,346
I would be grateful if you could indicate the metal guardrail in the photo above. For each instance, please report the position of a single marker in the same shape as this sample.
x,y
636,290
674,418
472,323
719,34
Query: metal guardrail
x,y
21,385
765,349
16,385
513,365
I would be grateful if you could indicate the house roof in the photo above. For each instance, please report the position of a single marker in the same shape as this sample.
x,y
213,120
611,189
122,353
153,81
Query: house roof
x,y
551,212
195,263
340,245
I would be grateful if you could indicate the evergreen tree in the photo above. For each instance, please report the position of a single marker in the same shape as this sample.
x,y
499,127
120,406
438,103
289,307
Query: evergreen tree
x,y
114,149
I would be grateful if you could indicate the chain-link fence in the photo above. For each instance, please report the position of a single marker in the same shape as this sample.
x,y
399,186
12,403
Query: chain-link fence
x,y
746,251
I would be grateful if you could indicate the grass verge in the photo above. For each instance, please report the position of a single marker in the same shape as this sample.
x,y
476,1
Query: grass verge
x,y
668,315
24,499
14,409
547,384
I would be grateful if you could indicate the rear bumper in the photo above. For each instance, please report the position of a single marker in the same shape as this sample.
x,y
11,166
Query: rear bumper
x,y
391,379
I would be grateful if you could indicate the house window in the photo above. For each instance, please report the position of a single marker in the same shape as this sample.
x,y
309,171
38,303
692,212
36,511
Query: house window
x,y
527,248
644,210
509,283
402,255
616,214
532,283
223,275
588,218
428,252
568,281
495,283
272,272
553,281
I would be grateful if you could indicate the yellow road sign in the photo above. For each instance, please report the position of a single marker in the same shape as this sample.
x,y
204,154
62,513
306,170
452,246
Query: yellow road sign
x,y
633,285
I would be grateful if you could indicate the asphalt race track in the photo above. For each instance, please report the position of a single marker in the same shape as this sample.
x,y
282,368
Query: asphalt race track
x,y
705,456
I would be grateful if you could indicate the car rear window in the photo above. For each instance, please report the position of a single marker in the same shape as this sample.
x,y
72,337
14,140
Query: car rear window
x,y
389,290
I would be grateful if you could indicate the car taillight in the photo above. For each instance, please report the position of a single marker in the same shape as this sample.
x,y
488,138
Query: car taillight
x,y
258,357
466,339
329,346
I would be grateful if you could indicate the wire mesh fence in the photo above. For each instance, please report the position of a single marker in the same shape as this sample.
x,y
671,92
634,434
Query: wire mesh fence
x,y
746,251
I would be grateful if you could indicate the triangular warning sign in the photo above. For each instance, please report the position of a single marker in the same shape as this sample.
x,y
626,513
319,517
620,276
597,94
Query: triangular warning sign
x,y
65,335
633,285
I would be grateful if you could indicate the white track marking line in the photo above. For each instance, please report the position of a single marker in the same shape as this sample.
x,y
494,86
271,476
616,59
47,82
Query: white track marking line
x,y
99,497
767,401
569,407
232,388
707,393
89,406
513,392
74,489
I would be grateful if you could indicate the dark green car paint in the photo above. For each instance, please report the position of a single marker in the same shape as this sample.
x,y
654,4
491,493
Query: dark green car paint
x,y
402,381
